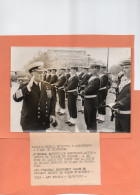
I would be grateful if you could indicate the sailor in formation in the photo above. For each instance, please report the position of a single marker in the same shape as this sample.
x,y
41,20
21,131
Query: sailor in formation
x,y
71,88
91,98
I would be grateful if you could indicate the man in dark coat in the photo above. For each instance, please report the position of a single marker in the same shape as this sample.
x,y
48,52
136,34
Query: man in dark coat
x,y
61,93
72,91
102,93
123,104
91,98
39,102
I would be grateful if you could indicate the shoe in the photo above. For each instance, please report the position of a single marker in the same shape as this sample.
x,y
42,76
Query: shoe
x,y
71,124
67,122
100,121
60,113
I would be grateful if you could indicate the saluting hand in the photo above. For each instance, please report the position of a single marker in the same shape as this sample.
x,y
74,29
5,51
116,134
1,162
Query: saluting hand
x,y
30,84
52,119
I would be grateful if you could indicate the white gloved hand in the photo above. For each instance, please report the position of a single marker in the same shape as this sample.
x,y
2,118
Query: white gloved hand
x,y
30,84
52,119
111,104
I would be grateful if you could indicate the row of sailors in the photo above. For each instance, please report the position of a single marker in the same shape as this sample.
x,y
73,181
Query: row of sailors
x,y
92,87
77,81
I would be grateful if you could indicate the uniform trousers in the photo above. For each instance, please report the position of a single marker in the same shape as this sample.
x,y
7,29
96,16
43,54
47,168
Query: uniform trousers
x,y
72,107
61,94
90,110
102,101
122,123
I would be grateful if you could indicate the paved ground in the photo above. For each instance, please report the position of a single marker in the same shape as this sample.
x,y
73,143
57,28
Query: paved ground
x,y
107,126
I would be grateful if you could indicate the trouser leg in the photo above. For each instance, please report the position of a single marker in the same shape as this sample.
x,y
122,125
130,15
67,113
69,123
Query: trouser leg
x,y
90,110
122,123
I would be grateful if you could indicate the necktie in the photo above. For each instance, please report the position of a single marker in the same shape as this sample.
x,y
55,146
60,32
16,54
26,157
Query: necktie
x,y
38,87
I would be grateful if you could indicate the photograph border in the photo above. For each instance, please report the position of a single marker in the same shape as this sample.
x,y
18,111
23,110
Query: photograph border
x,y
60,41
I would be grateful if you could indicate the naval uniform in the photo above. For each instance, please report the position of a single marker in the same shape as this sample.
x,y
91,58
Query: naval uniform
x,y
71,89
38,105
123,106
102,94
53,80
61,92
91,103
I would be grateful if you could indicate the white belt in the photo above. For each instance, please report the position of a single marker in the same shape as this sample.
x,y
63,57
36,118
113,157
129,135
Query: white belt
x,y
90,96
102,88
73,90
61,87
82,86
124,112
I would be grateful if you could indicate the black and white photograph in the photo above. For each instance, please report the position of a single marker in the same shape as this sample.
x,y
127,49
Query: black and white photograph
x,y
70,89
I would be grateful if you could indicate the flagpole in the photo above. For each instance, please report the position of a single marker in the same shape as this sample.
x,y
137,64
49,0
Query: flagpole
x,y
107,58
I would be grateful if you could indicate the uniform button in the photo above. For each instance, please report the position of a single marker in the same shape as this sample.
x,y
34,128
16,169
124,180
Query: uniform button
x,y
46,115
43,123
46,102
38,116
38,108
46,110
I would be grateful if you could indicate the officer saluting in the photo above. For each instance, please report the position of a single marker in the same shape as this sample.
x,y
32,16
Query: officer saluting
x,y
123,104
91,99
72,91
102,93
61,92
38,101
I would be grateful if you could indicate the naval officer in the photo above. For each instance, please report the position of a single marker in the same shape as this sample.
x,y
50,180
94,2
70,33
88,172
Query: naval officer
x,y
38,107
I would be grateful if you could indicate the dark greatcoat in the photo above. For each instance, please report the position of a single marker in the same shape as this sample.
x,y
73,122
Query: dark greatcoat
x,y
37,106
